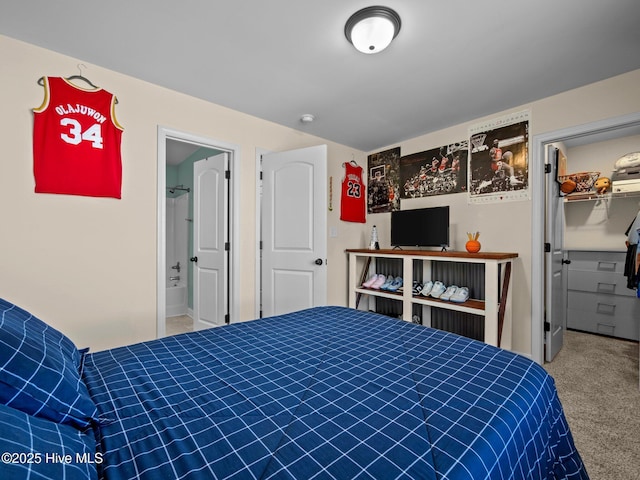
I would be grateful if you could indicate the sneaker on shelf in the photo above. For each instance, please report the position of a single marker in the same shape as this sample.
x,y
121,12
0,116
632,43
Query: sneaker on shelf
x,y
426,288
461,295
387,283
451,290
371,281
438,289
417,287
395,284
379,282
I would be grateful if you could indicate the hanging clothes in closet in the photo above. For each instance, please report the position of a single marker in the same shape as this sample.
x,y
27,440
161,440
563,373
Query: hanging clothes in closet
x,y
632,263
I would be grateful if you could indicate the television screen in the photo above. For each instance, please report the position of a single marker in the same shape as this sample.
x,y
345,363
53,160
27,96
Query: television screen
x,y
422,227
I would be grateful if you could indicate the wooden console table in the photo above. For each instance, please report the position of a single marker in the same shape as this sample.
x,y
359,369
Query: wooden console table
x,y
495,307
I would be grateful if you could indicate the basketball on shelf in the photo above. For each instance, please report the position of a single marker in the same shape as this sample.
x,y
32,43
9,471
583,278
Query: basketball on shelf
x,y
473,245
567,186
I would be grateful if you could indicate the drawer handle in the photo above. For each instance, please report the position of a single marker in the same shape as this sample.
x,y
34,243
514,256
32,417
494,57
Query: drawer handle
x,y
606,328
607,266
606,287
605,308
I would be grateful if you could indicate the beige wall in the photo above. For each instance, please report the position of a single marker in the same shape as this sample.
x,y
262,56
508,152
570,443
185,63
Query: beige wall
x,y
88,265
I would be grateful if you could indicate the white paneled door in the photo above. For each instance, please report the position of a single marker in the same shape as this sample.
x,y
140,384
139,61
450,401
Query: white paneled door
x,y
210,233
293,222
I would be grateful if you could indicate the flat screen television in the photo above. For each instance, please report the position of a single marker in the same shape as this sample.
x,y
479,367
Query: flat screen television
x,y
421,227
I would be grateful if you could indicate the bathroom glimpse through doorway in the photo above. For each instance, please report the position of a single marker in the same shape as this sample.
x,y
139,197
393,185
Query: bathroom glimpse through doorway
x,y
177,153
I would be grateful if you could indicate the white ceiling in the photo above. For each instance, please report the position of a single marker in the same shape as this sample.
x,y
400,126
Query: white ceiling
x,y
453,61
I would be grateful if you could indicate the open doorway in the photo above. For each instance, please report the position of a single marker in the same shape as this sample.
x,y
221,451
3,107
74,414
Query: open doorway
x,y
582,134
178,152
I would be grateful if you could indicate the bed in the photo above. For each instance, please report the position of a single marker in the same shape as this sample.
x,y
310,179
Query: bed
x,y
328,392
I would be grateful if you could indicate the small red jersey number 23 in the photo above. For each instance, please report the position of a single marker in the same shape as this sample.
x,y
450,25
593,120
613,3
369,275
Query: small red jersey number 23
x,y
353,189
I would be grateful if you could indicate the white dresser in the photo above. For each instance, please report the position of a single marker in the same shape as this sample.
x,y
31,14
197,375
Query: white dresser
x,y
598,299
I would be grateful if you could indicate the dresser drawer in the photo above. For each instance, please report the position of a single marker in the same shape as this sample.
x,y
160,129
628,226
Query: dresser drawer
x,y
607,262
610,283
606,314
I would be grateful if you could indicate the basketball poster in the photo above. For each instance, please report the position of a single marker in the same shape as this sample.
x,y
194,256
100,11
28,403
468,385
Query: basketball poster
x,y
383,183
438,171
499,159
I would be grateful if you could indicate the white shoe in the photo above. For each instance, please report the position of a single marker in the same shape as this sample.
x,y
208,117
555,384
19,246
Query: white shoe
x,y
461,295
451,290
426,289
438,289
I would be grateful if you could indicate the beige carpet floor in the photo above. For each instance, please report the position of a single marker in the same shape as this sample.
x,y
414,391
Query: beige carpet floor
x,y
597,381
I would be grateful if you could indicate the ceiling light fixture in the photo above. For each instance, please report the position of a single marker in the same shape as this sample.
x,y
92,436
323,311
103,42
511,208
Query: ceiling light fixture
x,y
372,29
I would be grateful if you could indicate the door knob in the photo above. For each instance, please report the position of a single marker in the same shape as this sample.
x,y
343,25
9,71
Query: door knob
x,y
194,259
566,261
318,261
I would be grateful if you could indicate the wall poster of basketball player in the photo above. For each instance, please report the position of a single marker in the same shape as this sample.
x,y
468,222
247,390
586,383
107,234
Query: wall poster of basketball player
x,y
499,160
383,182
434,172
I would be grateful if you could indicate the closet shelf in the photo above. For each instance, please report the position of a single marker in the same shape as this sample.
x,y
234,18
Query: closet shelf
x,y
590,196
584,196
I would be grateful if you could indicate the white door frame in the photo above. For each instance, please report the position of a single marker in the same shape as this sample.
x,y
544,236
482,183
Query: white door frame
x,y
165,134
258,283
538,208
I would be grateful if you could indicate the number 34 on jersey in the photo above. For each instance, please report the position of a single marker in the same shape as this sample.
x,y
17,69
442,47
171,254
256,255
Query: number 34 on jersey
x,y
72,132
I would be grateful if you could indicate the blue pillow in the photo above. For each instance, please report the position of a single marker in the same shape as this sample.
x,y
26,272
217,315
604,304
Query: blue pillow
x,y
39,370
40,449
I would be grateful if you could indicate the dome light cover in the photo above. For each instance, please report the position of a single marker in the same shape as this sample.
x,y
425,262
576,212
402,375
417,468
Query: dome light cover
x,y
372,29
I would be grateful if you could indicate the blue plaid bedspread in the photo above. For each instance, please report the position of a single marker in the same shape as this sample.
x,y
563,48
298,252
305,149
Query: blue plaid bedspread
x,y
328,392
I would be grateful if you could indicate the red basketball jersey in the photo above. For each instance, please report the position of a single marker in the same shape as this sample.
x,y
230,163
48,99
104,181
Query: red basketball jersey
x,y
353,199
76,141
